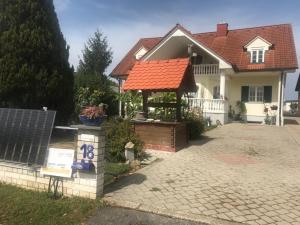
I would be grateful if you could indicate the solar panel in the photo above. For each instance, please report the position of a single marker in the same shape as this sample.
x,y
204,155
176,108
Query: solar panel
x,y
25,134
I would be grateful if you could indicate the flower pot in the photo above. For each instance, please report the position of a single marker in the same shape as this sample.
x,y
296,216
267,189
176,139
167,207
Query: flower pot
x,y
274,107
92,121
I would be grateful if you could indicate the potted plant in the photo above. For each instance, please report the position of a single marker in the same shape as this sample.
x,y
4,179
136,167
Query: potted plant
x,y
93,115
274,107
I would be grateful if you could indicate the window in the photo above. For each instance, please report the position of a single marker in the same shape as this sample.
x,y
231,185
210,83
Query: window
x,y
216,92
259,94
256,94
257,56
252,94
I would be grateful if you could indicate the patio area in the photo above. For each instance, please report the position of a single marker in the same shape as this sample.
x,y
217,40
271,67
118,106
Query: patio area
x,y
239,173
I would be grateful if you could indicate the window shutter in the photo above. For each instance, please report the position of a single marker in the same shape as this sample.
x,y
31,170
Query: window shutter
x,y
245,94
267,93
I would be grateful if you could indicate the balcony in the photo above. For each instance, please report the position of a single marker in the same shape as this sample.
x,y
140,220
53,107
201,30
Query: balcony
x,y
209,105
206,69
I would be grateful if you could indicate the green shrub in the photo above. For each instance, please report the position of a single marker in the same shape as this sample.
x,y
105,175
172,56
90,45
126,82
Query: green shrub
x,y
119,133
165,113
195,125
133,101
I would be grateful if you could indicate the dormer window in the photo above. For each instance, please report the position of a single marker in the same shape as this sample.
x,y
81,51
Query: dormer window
x,y
257,55
257,48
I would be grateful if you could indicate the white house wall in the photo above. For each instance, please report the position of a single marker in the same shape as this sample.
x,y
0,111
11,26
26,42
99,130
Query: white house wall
x,y
254,109
234,83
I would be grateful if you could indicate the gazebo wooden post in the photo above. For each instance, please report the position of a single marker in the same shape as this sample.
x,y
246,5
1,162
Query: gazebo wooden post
x,y
145,103
178,105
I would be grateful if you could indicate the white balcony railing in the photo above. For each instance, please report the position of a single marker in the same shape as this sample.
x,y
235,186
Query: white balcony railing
x,y
206,69
209,105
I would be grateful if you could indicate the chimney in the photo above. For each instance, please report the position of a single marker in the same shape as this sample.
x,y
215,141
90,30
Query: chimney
x,y
222,29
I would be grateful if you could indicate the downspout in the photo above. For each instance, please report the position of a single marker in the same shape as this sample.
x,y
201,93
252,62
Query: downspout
x,y
280,99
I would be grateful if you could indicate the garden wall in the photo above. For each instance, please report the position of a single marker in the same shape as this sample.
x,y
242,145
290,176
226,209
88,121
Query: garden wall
x,y
83,184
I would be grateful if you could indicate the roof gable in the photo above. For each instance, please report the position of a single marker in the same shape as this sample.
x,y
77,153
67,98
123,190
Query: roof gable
x,y
258,42
178,30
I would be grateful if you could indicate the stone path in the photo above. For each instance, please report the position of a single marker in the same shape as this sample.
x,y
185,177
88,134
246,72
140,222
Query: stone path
x,y
239,174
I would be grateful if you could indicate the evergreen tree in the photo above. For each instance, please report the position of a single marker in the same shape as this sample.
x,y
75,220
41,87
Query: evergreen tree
x,y
34,67
96,57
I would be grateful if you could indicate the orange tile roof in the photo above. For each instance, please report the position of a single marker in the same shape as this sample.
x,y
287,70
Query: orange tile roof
x,y
282,55
158,75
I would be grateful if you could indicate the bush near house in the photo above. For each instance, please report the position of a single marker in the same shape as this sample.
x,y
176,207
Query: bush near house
x,y
195,124
119,132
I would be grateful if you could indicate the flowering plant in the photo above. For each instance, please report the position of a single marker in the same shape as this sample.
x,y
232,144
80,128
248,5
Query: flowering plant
x,y
93,112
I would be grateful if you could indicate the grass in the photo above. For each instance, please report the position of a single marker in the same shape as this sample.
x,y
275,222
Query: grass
x,y
21,207
25,207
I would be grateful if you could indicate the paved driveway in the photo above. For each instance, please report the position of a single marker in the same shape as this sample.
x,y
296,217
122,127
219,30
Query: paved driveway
x,y
239,173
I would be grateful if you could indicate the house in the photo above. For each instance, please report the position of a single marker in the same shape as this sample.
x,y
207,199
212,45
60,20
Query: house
x,y
247,65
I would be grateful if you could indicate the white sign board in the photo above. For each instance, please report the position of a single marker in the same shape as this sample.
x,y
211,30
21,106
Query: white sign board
x,y
87,137
59,162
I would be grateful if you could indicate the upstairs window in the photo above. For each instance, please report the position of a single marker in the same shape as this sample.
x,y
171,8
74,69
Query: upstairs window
x,y
257,56
257,48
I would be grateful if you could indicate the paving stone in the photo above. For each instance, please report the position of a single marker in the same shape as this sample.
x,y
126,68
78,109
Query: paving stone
x,y
243,173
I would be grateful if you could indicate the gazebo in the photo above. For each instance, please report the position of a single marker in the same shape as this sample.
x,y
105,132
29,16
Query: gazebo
x,y
173,75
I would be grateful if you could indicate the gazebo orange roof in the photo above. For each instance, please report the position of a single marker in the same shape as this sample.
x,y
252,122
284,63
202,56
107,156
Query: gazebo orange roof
x,y
161,75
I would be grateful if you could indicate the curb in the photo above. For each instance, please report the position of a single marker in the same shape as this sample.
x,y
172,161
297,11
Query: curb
x,y
170,213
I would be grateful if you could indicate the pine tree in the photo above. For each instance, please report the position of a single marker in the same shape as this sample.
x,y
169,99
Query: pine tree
x,y
34,67
96,57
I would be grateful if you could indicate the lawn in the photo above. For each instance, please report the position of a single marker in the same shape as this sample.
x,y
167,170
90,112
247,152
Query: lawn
x,y
22,207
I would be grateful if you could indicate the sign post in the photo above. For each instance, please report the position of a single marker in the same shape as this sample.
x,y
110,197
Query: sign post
x,y
59,166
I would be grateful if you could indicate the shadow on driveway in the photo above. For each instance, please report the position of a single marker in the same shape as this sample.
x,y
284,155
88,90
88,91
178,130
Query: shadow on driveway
x,y
135,178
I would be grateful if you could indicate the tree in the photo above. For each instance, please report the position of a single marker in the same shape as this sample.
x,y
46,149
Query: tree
x,y
90,77
96,56
34,67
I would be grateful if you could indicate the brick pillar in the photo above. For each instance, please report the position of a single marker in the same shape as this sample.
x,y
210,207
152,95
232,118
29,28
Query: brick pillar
x,y
91,182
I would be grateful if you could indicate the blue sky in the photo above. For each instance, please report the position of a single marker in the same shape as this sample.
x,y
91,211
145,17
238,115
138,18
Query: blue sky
x,y
125,21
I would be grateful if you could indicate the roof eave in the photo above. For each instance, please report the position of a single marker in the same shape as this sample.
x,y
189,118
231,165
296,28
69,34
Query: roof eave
x,y
267,69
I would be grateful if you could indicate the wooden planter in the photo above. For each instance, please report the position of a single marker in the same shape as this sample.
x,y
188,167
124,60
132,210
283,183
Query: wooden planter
x,y
164,136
